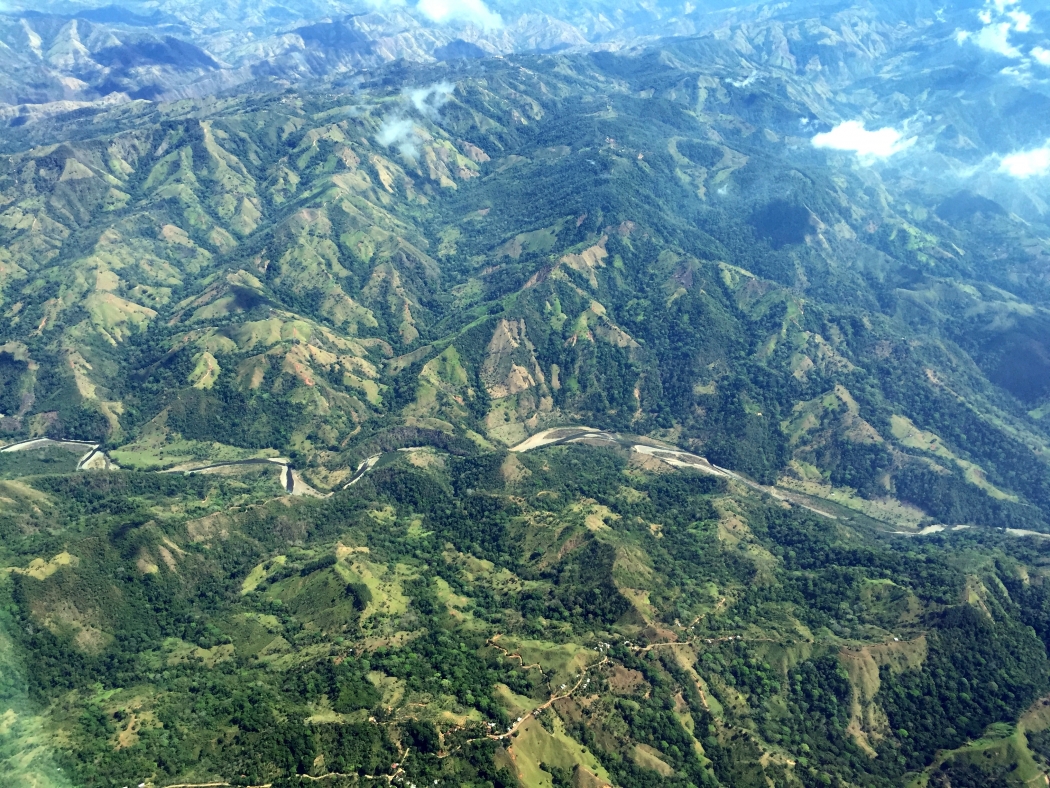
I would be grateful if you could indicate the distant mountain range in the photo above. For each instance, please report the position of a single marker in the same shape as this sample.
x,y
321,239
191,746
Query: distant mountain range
x,y
904,65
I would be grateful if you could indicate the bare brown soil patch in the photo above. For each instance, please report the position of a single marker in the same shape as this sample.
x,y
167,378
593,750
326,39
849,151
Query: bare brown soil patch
x,y
624,681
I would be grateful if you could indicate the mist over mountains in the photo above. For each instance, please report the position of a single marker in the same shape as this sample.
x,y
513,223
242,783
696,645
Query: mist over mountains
x,y
964,87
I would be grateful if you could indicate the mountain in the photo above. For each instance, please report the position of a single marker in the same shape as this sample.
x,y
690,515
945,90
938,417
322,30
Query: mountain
x,y
665,403
461,207
50,53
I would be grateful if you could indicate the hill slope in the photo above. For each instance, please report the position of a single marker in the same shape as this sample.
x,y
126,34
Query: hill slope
x,y
493,256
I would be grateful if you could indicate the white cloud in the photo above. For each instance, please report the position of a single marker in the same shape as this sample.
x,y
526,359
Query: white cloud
x,y
1042,56
996,38
1022,21
1026,164
427,101
852,136
399,131
474,11
999,19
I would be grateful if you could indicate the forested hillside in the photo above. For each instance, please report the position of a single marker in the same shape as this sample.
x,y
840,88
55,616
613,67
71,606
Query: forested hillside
x,y
383,285
533,247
